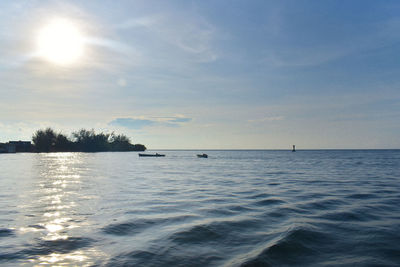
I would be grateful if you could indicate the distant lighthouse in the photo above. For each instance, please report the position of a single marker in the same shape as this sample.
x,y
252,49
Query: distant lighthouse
x,y
294,148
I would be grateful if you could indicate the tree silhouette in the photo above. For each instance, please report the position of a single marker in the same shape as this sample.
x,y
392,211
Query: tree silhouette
x,y
63,144
89,141
120,142
48,140
44,140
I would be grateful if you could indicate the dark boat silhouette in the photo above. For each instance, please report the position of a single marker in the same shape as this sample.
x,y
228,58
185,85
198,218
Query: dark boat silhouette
x,y
151,155
202,155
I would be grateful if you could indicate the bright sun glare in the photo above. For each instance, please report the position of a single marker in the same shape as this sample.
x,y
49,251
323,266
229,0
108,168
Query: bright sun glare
x,y
60,42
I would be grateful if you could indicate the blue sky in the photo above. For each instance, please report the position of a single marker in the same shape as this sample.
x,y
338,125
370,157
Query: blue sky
x,y
209,74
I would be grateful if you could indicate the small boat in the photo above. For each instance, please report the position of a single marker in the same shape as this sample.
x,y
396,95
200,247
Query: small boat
x,y
294,148
202,155
151,155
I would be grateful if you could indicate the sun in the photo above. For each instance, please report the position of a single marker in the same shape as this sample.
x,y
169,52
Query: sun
x,y
60,42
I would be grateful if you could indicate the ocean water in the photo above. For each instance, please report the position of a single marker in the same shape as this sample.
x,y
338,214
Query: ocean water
x,y
236,208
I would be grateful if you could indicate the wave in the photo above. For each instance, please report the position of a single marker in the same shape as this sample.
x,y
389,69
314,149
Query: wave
x,y
261,195
296,247
179,257
6,232
234,231
227,210
326,204
347,216
269,201
198,233
128,228
362,196
139,225
47,247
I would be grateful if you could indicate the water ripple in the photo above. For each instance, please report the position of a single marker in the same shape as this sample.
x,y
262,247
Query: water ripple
x,y
238,208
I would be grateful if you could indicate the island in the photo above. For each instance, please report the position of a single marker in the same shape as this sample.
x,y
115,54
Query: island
x,y
48,140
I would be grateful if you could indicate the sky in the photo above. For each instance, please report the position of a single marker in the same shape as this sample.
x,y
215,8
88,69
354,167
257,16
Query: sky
x,y
207,74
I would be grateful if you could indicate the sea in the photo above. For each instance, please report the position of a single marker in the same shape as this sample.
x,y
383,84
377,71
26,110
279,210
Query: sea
x,y
234,208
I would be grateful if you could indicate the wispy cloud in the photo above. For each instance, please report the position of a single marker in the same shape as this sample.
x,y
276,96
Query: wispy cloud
x,y
192,35
147,21
270,118
139,123
131,123
110,44
179,119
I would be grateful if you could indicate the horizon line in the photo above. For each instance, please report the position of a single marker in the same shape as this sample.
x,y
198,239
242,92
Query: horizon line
x,y
263,149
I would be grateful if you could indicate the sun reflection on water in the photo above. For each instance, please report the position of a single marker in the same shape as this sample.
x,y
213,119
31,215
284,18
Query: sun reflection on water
x,y
75,257
56,217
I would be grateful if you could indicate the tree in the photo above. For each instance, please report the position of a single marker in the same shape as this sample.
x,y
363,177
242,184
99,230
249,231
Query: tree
x,y
63,144
48,140
120,142
138,147
89,141
44,140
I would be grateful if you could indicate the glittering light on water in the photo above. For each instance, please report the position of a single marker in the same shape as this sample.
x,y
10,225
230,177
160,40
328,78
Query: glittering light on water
x,y
55,198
